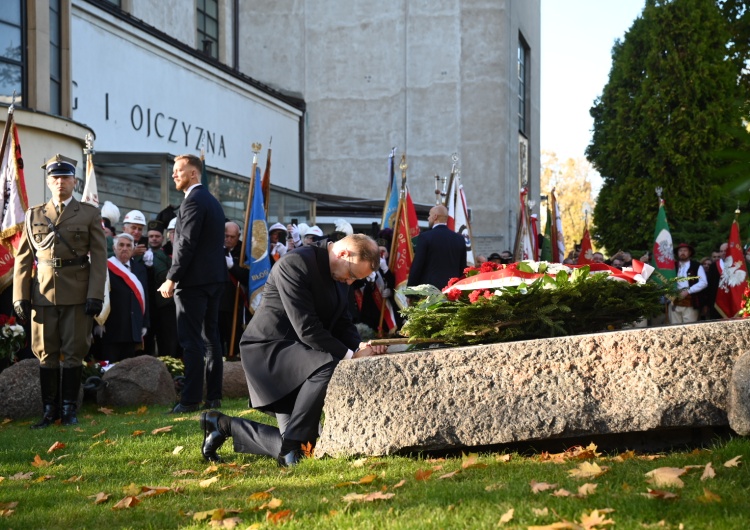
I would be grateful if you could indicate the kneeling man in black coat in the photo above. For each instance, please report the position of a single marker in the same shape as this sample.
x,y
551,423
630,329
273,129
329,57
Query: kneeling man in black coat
x,y
292,345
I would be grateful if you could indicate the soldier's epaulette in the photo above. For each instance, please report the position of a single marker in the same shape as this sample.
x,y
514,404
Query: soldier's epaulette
x,y
87,205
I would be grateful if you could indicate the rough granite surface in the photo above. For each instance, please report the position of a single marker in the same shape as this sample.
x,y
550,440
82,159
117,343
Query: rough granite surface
x,y
616,382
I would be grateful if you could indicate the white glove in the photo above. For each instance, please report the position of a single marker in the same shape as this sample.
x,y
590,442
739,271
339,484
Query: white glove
x,y
230,261
98,331
294,232
372,276
386,293
148,258
143,332
383,265
279,249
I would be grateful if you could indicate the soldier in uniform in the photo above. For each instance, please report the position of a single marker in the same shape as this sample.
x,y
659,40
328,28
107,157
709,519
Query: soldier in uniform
x,y
64,291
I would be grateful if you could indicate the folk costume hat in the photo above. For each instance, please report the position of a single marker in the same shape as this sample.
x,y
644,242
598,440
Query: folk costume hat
x,y
60,166
687,246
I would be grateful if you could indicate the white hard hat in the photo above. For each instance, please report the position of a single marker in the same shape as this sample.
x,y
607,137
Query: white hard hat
x,y
314,231
303,228
172,223
277,226
136,217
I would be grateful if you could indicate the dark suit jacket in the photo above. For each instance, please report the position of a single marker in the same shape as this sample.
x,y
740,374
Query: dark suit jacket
x,y
125,319
238,275
198,255
302,323
440,255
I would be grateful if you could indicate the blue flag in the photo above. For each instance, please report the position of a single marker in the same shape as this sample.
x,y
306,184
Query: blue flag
x,y
390,208
256,246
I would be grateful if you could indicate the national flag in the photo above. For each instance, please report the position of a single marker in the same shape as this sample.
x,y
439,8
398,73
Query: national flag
x,y
256,244
90,192
534,225
557,238
546,251
524,246
458,216
402,250
13,200
91,196
586,255
733,280
390,206
266,182
384,305
662,255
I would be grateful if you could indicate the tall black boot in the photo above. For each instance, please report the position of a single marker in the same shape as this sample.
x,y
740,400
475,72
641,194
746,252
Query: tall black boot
x,y
49,379
71,385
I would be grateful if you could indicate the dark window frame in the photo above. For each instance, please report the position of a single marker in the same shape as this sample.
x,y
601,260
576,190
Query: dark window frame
x,y
522,66
207,43
23,63
55,78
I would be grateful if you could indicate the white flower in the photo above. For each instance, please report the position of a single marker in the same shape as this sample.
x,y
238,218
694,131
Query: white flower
x,y
17,330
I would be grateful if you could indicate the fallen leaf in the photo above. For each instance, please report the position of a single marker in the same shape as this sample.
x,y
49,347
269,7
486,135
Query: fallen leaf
x,y
126,502
177,450
142,410
587,489
502,458
183,472
734,462
587,470
199,516
666,477
259,496
138,433
506,517
21,476
55,446
627,455
229,522
8,505
562,525
709,496
367,497
151,491
540,512
272,504
279,517
206,483
100,497
359,462
708,472
423,474
494,487
659,494
210,469
595,519
561,493
469,460
168,428
308,450
131,490
38,462
44,478
105,410
537,487
367,479
97,435
449,475
398,484
6,513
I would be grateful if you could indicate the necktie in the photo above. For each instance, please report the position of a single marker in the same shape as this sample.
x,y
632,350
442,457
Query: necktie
x,y
60,208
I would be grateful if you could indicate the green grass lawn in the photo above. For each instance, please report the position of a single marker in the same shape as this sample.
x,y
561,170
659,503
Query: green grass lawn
x,y
117,457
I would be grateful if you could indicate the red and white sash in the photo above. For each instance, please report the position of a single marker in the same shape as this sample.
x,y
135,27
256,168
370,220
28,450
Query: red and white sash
x,y
130,279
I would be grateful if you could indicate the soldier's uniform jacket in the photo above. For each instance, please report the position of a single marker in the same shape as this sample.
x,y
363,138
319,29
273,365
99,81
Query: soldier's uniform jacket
x,y
62,276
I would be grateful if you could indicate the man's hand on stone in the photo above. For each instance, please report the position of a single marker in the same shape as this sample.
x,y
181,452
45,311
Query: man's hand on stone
x,y
368,350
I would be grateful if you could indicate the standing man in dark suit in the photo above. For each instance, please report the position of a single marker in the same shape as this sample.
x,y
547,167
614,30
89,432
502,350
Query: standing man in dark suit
x,y
292,345
64,291
196,279
440,254
237,279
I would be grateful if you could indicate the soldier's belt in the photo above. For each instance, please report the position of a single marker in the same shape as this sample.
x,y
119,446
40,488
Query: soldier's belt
x,y
57,263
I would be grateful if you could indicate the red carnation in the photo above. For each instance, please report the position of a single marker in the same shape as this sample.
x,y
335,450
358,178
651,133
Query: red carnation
x,y
452,281
453,294
474,296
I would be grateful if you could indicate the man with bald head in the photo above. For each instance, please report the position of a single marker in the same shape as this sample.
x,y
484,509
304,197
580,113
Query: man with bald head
x,y
238,278
440,253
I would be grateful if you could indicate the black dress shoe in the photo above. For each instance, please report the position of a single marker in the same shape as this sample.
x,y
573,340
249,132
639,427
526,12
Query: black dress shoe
x,y
212,404
184,409
290,459
212,436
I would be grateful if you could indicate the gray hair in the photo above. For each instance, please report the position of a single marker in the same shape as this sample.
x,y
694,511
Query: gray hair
x,y
123,235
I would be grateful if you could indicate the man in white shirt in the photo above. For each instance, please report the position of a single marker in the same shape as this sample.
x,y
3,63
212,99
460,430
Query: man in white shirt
x,y
686,306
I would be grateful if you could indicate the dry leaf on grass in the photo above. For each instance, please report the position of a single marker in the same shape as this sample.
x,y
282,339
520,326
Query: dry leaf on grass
x,y
587,470
470,461
74,478
206,483
537,487
398,484
100,497
708,472
666,477
168,428
561,525
659,494
734,462
106,411
367,497
126,502
138,433
151,491
423,474
506,517
22,476
561,493
55,446
709,496
502,458
540,512
183,472
142,410
596,519
279,517
449,475
259,496
587,489
271,505
177,450
38,462
97,435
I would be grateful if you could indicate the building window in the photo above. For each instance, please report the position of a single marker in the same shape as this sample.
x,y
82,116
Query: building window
x,y
55,58
12,48
208,27
523,78
114,2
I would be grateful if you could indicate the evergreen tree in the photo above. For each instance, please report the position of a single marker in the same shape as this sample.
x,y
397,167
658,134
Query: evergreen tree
x,y
675,100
